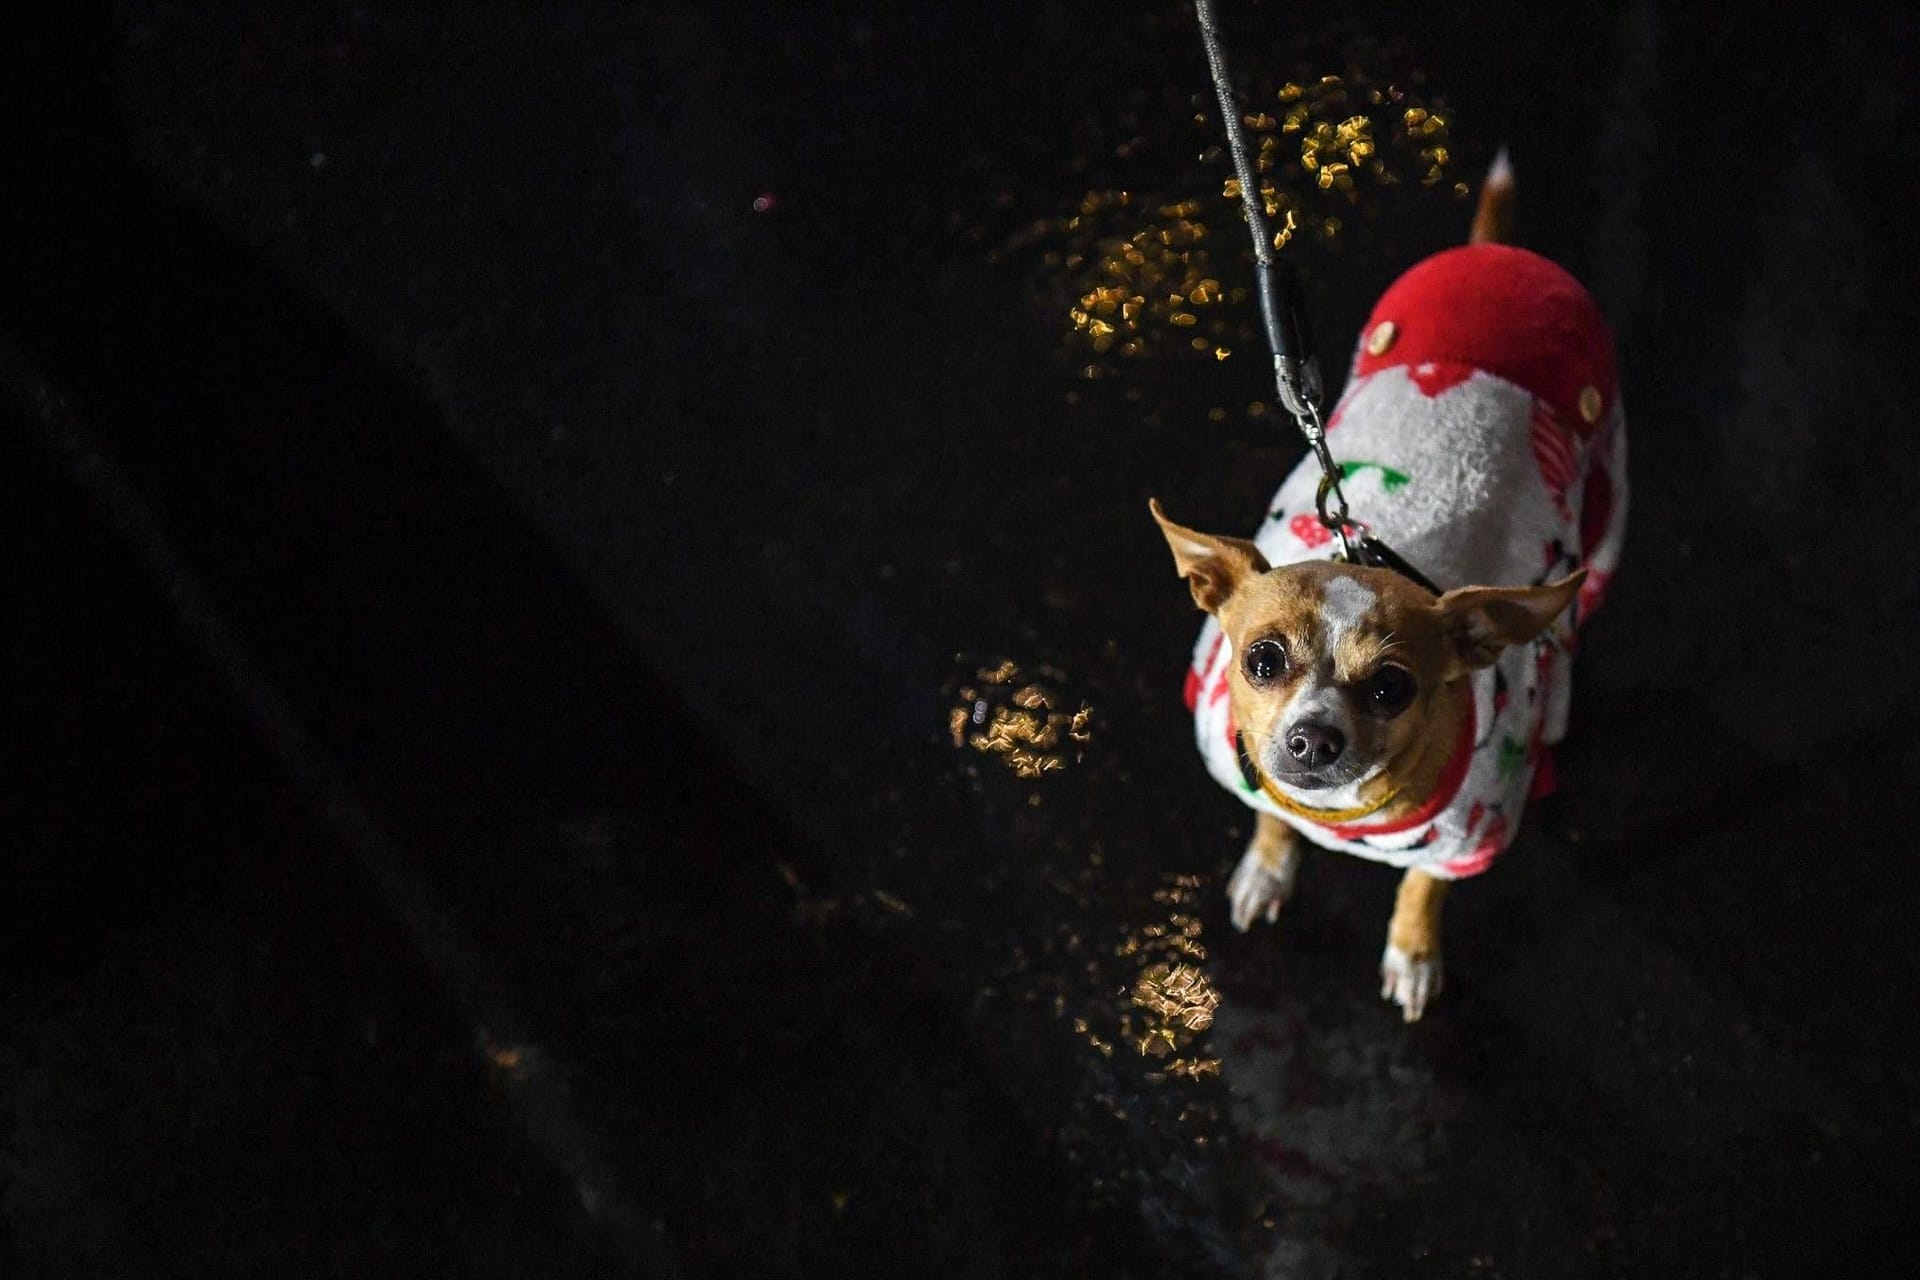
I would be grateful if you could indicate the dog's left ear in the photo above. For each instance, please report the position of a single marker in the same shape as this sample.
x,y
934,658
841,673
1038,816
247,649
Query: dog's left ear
x,y
1482,621
1213,567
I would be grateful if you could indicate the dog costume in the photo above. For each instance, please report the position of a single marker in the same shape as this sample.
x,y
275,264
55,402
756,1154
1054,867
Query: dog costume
x,y
1480,435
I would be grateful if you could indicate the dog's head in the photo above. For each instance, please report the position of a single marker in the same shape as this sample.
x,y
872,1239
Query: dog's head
x,y
1340,672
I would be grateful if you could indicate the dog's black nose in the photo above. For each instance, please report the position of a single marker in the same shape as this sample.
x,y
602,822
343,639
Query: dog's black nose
x,y
1315,745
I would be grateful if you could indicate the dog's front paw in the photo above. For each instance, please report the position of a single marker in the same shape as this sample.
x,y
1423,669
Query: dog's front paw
x,y
1409,982
1259,888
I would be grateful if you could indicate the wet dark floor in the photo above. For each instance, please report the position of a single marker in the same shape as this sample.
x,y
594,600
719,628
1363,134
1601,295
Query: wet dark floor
x,y
509,500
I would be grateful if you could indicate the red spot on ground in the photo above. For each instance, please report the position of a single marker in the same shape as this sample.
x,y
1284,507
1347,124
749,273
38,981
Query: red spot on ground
x,y
1258,1038
1284,1159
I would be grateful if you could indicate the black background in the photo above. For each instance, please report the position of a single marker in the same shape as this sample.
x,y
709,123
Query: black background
x,y
483,604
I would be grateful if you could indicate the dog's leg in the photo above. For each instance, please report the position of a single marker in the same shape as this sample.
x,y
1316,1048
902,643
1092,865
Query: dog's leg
x,y
1263,881
1410,969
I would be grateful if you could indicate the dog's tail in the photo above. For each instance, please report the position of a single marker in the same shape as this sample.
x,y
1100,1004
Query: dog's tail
x,y
1493,220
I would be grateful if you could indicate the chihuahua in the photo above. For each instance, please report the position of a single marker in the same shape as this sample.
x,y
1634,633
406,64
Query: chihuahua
x,y
1480,435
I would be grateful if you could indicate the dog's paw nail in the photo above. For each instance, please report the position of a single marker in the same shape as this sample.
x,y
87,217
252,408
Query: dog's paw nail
x,y
1410,983
1255,893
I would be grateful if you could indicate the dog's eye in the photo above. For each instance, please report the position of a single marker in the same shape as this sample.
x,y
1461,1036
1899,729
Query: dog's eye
x,y
1389,690
1266,660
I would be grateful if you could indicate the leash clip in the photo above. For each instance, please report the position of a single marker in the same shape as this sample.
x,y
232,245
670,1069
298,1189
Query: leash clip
x,y
1336,518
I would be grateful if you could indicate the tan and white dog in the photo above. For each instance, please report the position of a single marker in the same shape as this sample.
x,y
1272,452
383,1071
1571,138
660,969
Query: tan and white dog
x,y
1481,436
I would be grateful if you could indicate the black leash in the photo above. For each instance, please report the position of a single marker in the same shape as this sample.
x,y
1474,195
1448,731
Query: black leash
x,y
1296,370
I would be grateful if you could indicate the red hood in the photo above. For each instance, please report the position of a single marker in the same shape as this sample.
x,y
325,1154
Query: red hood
x,y
1501,309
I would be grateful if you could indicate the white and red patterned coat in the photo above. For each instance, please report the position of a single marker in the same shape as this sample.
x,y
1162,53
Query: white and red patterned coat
x,y
1481,435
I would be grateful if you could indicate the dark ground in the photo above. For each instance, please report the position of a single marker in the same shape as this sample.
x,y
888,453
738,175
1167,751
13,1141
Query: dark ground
x,y
486,605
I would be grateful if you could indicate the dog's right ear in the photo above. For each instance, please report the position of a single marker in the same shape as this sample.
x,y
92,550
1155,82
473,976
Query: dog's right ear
x,y
1213,567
